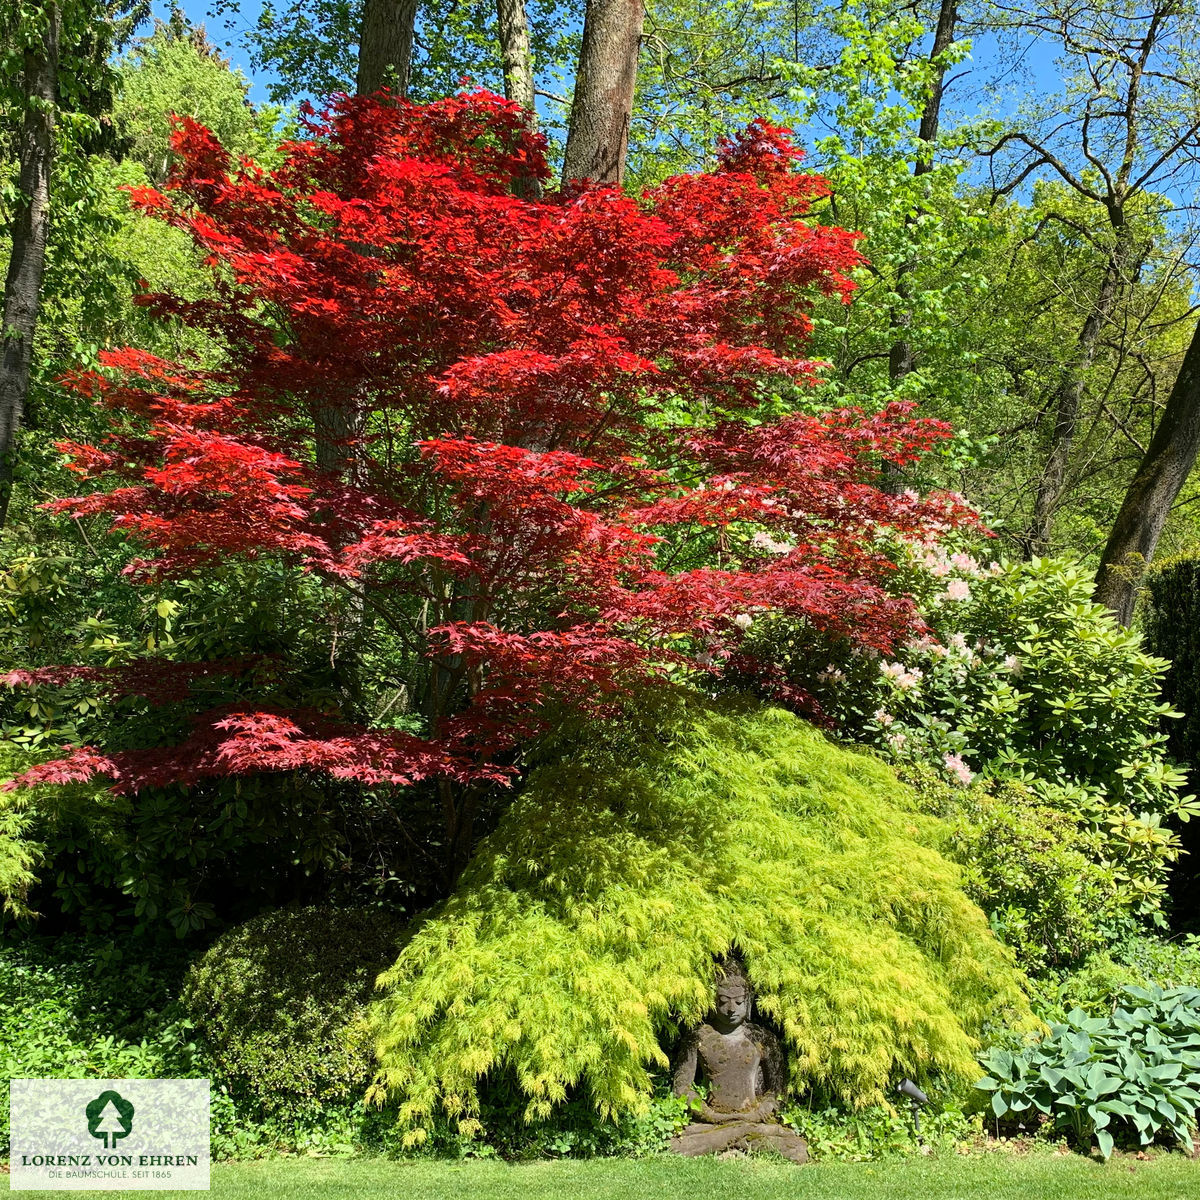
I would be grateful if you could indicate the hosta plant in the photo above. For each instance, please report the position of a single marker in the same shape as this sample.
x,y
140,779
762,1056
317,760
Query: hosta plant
x,y
1136,1070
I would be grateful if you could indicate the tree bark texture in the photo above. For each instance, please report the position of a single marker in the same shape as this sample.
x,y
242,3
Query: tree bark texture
x,y
516,56
1067,396
1163,471
385,46
30,233
598,137
901,359
943,36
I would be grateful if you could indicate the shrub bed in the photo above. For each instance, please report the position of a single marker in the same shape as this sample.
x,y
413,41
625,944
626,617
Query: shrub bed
x,y
584,931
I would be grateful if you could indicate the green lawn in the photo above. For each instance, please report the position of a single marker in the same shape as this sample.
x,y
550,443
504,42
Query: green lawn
x,y
1041,1176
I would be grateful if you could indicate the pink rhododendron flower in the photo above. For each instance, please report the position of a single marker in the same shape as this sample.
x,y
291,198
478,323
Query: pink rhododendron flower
x,y
958,768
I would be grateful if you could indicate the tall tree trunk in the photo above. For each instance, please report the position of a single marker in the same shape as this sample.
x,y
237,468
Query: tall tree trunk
x,y
385,46
517,58
901,359
598,137
1163,471
1066,398
515,54
338,428
943,36
30,231
384,60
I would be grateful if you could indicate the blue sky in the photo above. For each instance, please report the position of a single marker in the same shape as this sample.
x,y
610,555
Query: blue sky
x,y
1037,62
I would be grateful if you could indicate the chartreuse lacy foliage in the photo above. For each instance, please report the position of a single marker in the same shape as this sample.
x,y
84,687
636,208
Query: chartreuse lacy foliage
x,y
585,928
1137,1068
18,857
281,1001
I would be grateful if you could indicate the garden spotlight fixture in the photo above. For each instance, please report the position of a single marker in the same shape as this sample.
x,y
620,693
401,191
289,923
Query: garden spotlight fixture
x,y
916,1098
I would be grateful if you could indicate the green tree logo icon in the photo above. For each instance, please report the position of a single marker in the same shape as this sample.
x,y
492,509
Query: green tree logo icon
x,y
109,1116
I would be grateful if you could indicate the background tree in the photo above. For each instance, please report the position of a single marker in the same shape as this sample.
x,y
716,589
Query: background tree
x,y
385,46
602,102
1163,471
512,23
1126,127
177,70
56,82
33,40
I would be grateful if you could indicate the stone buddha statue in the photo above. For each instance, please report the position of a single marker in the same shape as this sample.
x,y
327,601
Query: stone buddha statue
x,y
742,1065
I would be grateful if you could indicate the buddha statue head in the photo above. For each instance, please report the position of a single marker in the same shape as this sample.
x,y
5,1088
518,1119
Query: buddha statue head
x,y
731,1004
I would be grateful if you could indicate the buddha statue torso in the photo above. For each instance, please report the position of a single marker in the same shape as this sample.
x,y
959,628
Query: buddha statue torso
x,y
732,1067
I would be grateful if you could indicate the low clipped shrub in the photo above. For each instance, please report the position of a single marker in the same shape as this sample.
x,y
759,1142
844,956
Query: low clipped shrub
x,y
584,930
281,1001
1135,1070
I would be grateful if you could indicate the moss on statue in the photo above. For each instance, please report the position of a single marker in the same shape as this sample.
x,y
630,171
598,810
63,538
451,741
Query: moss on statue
x,y
586,928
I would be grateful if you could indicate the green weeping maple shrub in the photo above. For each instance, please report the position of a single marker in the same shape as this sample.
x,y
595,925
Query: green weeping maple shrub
x,y
583,933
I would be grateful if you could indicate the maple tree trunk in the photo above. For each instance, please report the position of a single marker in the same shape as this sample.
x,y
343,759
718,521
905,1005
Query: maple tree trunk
x,y
30,231
1163,471
385,46
1052,484
598,136
338,427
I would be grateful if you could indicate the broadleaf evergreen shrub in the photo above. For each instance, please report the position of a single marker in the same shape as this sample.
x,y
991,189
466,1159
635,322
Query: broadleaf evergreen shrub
x,y
584,930
1033,868
1024,678
281,1001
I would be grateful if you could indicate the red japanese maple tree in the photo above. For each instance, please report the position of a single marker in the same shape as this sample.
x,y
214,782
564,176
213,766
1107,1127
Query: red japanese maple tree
x,y
525,435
